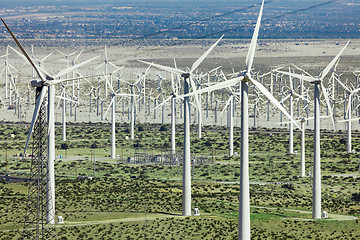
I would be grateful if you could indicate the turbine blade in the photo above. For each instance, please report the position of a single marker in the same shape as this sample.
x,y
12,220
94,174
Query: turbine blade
x,y
11,66
251,52
347,120
165,68
42,60
227,104
67,99
99,66
24,53
305,78
35,115
343,85
199,61
355,90
299,96
163,102
41,71
196,94
300,69
217,86
125,94
108,83
172,83
117,68
69,69
111,103
327,103
285,98
331,64
61,52
273,100
76,58
56,81
291,81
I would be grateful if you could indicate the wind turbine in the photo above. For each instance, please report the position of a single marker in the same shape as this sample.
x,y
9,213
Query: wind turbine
x,y
6,70
350,93
230,116
132,106
173,97
187,75
105,64
245,78
46,82
290,96
113,95
74,96
302,145
317,170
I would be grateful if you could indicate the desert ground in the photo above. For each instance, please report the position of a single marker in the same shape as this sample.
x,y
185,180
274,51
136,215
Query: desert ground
x,y
143,201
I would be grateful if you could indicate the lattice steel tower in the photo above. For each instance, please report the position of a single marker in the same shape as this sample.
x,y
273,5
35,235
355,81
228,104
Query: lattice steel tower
x,y
39,224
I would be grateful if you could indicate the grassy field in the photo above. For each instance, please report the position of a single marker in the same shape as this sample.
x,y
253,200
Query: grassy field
x,y
128,201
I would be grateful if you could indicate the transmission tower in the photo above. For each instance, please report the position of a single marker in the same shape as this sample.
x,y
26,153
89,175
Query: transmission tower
x,y
39,224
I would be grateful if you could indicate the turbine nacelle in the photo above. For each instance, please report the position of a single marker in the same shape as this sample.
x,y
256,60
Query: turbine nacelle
x,y
37,83
317,81
185,75
246,75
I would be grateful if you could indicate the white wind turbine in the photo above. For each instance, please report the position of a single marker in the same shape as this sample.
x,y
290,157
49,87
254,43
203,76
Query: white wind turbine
x,y
230,116
349,119
6,70
132,105
302,140
245,78
67,60
256,105
290,96
64,99
75,96
356,74
113,95
188,77
201,84
173,97
105,64
10,77
317,170
46,82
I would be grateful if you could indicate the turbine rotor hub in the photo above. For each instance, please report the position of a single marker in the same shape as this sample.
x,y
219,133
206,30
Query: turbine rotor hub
x,y
247,76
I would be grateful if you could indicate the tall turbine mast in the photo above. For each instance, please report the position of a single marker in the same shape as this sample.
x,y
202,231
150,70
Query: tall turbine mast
x,y
318,83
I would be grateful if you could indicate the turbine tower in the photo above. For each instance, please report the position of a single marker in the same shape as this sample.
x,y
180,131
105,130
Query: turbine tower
x,y
351,93
317,170
112,104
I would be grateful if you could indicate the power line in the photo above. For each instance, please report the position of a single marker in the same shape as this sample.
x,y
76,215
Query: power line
x,y
268,19
196,22
226,30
